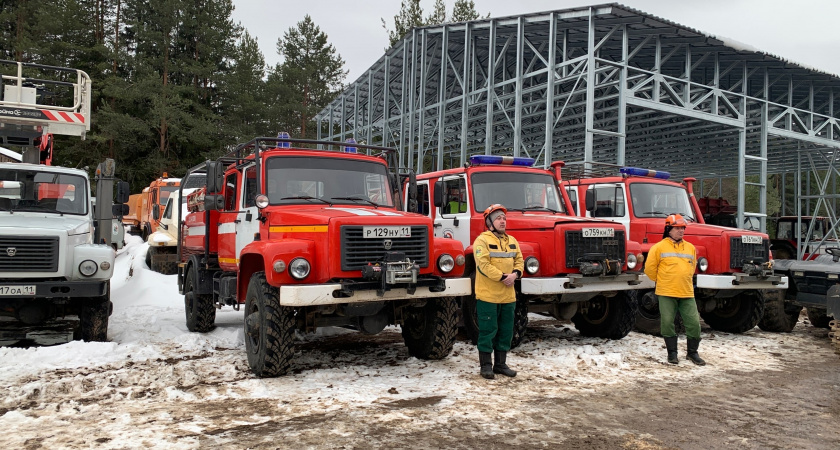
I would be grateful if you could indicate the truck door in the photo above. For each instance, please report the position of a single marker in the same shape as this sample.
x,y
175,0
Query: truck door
x,y
228,218
247,224
610,204
452,220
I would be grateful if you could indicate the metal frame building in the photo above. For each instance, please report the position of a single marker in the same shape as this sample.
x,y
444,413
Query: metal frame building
x,y
603,83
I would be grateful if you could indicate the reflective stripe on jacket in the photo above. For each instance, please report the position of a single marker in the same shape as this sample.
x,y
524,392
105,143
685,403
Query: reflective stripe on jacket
x,y
671,266
494,257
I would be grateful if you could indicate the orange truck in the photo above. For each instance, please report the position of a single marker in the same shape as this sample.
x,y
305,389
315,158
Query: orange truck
x,y
145,208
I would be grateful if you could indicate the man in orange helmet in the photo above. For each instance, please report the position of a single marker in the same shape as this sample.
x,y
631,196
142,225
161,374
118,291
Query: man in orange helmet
x,y
670,264
499,264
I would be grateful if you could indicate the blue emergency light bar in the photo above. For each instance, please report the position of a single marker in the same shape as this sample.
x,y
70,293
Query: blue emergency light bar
x,y
478,160
283,135
639,172
351,149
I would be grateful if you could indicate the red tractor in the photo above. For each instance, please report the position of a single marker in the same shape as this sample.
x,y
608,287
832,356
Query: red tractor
x,y
734,266
305,238
583,269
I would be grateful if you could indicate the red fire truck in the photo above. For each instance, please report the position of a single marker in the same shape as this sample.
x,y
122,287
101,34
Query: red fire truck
x,y
307,238
734,265
576,268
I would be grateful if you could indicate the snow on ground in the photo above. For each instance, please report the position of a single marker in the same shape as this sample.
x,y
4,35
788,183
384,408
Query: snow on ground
x,y
152,359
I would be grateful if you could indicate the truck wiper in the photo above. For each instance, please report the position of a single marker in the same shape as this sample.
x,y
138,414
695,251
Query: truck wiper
x,y
306,197
539,208
375,205
655,213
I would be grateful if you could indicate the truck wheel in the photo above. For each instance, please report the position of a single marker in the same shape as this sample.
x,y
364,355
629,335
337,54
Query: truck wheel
x,y
818,317
269,329
93,319
200,310
520,320
429,331
784,251
610,318
737,314
159,263
648,319
779,315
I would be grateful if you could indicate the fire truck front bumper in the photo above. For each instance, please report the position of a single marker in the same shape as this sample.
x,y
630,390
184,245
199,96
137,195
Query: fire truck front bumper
x,y
740,281
330,294
581,284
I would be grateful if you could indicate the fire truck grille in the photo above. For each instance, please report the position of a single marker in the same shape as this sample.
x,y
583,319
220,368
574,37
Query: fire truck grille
x,y
577,246
28,254
739,251
356,251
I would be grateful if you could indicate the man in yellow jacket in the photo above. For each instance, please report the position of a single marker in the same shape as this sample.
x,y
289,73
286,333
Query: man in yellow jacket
x,y
670,264
499,264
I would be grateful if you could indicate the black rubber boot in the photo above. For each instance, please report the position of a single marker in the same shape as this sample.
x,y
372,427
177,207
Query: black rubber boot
x,y
500,367
671,345
693,345
486,360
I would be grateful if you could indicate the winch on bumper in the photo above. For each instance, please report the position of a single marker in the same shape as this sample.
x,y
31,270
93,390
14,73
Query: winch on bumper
x,y
394,278
756,274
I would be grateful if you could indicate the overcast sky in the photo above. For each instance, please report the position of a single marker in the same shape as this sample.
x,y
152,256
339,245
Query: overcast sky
x,y
805,31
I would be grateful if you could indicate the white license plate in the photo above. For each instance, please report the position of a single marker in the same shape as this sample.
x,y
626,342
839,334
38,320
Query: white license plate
x,y
386,232
747,239
598,232
17,290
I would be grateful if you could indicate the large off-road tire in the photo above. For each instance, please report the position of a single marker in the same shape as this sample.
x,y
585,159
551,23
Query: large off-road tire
x,y
199,308
520,320
93,318
648,319
737,314
610,318
158,263
429,331
818,317
779,315
269,329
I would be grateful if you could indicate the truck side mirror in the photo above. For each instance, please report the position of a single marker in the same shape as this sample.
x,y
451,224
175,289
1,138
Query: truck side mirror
x,y
123,191
119,210
215,176
590,200
438,194
156,212
214,202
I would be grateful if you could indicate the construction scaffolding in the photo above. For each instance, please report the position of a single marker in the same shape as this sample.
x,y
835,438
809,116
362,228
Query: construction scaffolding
x,y
602,83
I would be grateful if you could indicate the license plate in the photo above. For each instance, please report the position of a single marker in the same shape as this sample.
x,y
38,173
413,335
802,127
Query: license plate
x,y
598,232
17,290
747,239
386,232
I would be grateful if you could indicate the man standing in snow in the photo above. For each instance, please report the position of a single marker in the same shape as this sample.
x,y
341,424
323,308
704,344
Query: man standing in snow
x,y
499,264
670,264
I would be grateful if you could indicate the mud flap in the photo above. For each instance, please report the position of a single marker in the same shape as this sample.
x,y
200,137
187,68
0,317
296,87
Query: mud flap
x,y
832,301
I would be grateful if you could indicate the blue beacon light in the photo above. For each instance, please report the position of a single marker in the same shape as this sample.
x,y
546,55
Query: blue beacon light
x,y
501,160
639,172
283,135
351,149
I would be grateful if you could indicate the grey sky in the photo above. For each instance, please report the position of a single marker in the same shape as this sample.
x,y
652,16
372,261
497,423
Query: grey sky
x,y
805,32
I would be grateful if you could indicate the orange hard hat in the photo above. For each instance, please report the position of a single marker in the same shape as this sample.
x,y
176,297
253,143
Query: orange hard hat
x,y
675,220
490,210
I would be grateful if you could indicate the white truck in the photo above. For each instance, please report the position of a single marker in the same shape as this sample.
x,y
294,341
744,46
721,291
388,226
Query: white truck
x,y
162,255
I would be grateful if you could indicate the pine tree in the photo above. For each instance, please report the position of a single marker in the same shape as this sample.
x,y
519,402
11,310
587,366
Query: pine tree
x,y
311,74
464,11
438,14
410,16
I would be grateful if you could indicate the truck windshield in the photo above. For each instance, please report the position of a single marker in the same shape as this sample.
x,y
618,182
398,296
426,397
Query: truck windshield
x,y
164,193
295,179
51,192
517,191
660,200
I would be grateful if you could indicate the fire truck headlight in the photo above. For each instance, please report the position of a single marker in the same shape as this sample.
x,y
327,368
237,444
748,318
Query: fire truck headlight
x,y
532,265
88,268
279,266
261,201
631,261
446,263
703,264
299,268
460,260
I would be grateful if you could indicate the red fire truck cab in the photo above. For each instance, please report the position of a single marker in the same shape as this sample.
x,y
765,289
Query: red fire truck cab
x,y
734,265
308,238
576,268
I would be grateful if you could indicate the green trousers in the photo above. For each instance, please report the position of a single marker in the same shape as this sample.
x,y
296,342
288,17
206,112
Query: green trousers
x,y
687,307
495,325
